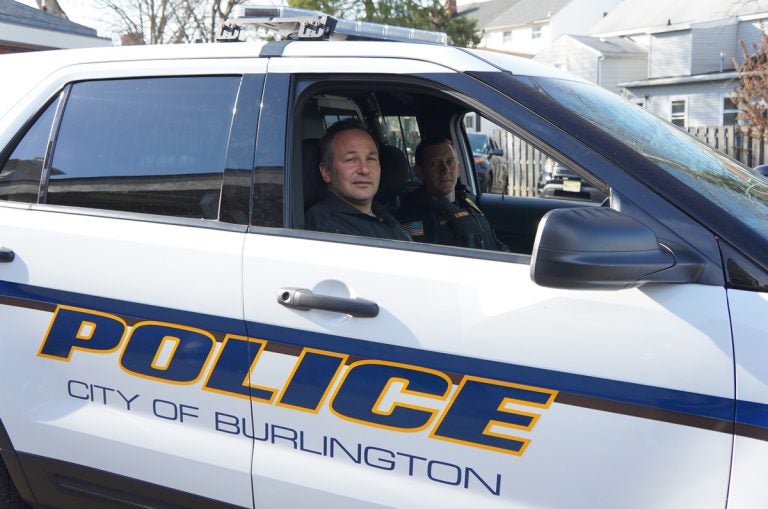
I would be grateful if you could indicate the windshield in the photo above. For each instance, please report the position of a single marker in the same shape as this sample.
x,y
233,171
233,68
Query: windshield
x,y
477,141
732,186
737,189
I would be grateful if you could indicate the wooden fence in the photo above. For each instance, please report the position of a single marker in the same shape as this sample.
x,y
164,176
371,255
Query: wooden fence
x,y
731,141
525,161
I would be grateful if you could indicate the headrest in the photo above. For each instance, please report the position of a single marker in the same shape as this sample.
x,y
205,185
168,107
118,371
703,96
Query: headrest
x,y
313,184
394,173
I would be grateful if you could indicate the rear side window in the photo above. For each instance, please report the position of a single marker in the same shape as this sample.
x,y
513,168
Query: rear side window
x,y
20,175
153,145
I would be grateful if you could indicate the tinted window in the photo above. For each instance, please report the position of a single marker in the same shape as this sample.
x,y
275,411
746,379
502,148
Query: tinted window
x,y
20,176
155,145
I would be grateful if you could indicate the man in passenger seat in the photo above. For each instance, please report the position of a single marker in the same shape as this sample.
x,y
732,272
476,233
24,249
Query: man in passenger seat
x,y
440,212
349,165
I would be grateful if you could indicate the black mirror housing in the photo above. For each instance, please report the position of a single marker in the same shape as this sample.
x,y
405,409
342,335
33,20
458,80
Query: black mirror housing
x,y
595,248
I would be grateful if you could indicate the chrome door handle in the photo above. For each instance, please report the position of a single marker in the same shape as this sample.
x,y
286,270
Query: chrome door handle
x,y
301,298
6,255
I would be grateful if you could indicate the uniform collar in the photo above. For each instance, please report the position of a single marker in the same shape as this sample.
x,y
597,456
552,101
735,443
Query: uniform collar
x,y
336,204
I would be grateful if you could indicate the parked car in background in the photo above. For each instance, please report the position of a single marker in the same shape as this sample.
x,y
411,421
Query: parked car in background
x,y
490,165
556,180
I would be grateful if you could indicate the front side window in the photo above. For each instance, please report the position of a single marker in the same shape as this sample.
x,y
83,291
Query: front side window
x,y
508,164
153,145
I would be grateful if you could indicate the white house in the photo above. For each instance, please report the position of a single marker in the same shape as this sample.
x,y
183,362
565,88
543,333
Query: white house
x,y
691,45
525,27
25,28
606,61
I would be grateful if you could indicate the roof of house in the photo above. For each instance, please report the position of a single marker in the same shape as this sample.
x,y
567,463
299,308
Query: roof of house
x,y
728,76
19,14
640,16
505,13
610,45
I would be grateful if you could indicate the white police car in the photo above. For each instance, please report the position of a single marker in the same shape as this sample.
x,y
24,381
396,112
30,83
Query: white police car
x,y
172,336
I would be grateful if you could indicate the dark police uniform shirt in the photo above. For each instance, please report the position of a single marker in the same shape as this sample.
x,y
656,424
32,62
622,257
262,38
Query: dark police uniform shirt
x,y
334,215
431,218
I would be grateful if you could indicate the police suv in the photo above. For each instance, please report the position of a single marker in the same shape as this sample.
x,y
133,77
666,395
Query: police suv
x,y
172,336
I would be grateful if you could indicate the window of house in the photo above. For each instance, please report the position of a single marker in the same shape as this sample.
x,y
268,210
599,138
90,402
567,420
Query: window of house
x,y
678,114
730,111
20,175
536,32
153,145
506,36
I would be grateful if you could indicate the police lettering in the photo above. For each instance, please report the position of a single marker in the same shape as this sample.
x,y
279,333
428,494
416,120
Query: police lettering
x,y
389,395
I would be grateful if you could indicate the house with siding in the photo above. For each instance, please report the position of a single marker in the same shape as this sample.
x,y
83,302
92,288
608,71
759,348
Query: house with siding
x,y
525,27
25,28
692,47
606,61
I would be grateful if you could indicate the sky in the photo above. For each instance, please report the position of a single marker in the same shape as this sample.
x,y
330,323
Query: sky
x,y
84,12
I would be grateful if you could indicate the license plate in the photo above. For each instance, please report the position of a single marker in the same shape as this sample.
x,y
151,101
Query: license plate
x,y
572,186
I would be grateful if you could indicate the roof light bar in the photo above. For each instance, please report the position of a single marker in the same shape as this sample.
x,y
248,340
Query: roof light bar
x,y
303,24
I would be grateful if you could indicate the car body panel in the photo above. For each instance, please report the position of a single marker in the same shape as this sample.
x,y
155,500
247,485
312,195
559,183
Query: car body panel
x,y
439,329
749,331
86,409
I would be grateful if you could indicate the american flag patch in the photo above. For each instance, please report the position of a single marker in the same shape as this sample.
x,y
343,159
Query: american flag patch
x,y
414,228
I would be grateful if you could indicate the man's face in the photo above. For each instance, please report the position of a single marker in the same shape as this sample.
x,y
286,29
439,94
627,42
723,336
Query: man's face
x,y
439,169
354,174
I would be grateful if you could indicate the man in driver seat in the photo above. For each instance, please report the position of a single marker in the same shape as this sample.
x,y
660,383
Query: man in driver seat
x,y
350,167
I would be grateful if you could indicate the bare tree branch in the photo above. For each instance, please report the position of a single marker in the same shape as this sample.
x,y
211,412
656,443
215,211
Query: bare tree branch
x,y
168,21
751,96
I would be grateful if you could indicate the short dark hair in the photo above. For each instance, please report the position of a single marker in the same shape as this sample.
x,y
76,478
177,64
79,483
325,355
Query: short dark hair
x,y
326,143
428,142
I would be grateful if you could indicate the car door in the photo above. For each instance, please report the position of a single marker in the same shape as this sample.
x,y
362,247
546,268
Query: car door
x,y
748,306
120,295
394,374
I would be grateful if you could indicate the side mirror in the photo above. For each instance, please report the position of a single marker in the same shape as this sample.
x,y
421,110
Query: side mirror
x,y
495,152
598,248
762,169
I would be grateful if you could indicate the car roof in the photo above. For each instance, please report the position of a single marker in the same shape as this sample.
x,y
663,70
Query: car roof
x,y
32,67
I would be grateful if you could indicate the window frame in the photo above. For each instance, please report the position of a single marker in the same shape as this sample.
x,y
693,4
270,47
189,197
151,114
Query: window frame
x,y
673,116
734,110
306,85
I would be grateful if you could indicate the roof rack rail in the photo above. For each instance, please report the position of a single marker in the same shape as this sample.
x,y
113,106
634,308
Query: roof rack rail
x,y
304,24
